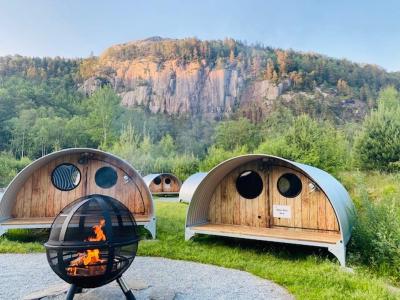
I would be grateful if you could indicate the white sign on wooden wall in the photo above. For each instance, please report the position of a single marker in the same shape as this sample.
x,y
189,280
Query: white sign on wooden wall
x,y
281,211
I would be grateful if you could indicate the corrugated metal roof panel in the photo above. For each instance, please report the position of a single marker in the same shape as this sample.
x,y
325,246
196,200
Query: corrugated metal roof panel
x,y
189,186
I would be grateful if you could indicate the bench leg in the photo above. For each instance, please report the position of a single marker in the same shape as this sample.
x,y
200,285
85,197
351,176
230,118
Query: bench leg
x,y
339,250
2,231
151,227
188,234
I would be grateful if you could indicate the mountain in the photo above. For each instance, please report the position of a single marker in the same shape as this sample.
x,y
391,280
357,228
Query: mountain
x,y
211,79
221,78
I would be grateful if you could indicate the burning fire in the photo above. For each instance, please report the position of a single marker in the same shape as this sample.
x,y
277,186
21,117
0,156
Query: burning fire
x,y
90,256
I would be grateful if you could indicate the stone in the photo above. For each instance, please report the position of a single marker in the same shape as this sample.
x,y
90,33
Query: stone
x,y
51,291
161,293
136,284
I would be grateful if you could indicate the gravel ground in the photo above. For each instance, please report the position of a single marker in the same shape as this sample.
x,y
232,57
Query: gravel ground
x,y
21,274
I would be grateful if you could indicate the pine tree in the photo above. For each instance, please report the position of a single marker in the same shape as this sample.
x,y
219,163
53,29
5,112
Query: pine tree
x,y
269,74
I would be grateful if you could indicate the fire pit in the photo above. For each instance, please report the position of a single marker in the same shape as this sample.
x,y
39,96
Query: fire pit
x,y
92,242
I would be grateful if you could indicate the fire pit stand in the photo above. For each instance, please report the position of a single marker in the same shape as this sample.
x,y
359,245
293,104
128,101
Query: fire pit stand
x,y
74,289
92,242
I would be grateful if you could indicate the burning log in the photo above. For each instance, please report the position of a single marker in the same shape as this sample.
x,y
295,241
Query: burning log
x,y
91,256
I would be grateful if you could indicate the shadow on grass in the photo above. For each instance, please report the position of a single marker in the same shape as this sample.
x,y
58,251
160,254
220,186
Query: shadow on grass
x,y
28,235
288,252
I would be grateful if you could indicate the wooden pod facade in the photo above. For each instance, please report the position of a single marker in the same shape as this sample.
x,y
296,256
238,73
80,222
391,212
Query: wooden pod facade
x,y
269,198
40,191
163,184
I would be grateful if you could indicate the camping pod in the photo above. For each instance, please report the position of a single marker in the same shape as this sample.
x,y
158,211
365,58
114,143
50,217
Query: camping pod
x,y
163,184
269,198
42,189
189,186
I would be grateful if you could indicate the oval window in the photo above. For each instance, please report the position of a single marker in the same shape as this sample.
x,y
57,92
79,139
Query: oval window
x,y
106,177
66,177
289,185
157,180
249,184
167,180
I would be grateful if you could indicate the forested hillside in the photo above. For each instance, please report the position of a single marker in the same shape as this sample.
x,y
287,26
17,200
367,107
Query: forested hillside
x,y
176,90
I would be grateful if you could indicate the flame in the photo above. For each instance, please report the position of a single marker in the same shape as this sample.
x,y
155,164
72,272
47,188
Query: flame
x,y
91,256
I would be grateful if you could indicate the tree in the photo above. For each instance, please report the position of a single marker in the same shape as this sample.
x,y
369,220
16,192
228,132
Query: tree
x,y
343,88
282,58
217,155
103,109
21,131
378,144
316,143
269,73
232,134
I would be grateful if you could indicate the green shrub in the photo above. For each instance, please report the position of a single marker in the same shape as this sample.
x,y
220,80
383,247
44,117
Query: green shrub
x,y
375,240
217,155
9,167
310,142
184,166
230,135
377,146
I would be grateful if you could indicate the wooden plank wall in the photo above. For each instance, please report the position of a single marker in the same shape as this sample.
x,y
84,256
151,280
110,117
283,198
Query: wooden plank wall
x,y
39,198
173,187
228,207
311,210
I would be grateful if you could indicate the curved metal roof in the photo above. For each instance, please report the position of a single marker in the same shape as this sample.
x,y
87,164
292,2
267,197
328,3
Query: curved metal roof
x,y
150,177
189,186
6,202
334,190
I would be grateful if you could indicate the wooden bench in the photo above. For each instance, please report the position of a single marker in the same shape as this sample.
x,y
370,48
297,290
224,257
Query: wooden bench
x,y
290,234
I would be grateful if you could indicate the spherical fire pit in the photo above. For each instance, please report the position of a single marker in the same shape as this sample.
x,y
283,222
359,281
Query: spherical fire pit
x,y
93,240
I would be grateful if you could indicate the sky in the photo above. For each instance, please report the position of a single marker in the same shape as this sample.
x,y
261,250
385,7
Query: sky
x,y
362,31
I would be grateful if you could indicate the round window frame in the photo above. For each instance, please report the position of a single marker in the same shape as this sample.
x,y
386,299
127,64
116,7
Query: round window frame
x,y
285,195
259,177
157,181
65,164
106,187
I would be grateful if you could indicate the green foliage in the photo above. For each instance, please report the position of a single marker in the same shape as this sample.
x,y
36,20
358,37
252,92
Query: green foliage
x,y
217,155
375,240
102,112
378,144
9,167
233,134
148,157
316,143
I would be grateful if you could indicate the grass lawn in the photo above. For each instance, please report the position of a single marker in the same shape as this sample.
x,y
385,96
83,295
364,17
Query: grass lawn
x,y
308,273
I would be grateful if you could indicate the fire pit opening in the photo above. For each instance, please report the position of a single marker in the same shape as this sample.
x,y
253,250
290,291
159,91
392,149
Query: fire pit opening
x,y
92,242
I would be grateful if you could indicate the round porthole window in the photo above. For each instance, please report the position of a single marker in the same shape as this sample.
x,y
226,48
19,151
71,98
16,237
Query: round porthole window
x,y
106,177
157,180
167,180
66,177
249,184
289,185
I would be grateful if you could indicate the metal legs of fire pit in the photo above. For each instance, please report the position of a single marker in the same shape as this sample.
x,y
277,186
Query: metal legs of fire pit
x,y
127,291
72,291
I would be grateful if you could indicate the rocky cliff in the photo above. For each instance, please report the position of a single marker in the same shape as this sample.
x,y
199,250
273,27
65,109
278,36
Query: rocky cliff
x,y
158,74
